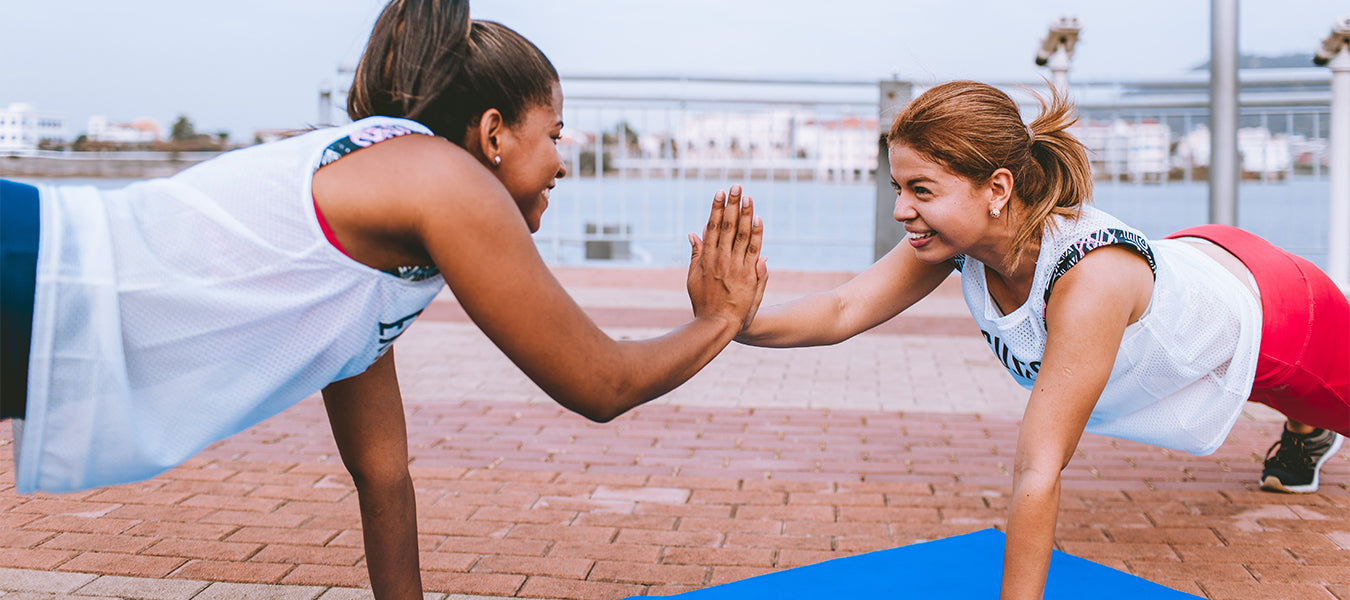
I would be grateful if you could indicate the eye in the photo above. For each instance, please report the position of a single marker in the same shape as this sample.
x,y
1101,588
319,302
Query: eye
x,y
921,191
895,186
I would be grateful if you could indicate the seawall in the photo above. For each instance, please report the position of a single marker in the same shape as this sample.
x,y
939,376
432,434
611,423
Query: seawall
x,y
122,165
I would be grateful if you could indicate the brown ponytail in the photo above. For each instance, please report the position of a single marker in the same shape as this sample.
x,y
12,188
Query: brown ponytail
x,y
428,61
974,129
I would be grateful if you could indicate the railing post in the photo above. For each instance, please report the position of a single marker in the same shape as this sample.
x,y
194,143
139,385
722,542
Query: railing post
x,y
1338,234
1223,112
894,95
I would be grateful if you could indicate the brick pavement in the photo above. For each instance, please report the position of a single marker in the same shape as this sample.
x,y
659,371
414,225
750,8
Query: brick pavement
x,y
767,460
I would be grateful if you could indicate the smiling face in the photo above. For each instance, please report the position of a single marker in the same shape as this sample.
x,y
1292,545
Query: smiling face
x,y
943,213
530,165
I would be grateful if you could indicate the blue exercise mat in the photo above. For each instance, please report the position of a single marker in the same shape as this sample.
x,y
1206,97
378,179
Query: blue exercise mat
x,y
963,567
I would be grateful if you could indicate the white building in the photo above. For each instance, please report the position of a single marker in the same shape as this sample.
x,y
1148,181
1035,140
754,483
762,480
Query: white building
x,y
1140,151
836,147
140,131
22,129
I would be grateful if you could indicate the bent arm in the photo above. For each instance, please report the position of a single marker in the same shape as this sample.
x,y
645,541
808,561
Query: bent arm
x,y
882,291
366,414
1086,319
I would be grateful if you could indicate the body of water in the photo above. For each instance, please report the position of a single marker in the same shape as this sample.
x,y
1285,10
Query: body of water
x,y
828,226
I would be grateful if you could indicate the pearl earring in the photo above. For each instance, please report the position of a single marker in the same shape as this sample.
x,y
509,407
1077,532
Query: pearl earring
x,y
993,212
497,160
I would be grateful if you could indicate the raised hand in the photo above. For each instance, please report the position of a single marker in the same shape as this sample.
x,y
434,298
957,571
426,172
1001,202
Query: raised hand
x,y
726,273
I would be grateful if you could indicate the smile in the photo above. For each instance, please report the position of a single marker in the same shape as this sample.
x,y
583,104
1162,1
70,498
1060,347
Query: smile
x,y
920,236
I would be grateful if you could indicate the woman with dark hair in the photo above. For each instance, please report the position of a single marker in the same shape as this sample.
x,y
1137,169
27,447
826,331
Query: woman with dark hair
x,y
142,324
1157,341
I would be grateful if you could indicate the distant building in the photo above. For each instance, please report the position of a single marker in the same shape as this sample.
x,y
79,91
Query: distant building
x,y
23,129
140,131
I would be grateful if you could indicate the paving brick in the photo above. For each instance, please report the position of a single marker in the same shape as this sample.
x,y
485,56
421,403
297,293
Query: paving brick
x,y
302,554
648,574
325,575
1266,591
24,558
239,591
26,580
109,563
478,545
733,557
140,588
487,584
624,552
243,572
209,550
277,535
1280,573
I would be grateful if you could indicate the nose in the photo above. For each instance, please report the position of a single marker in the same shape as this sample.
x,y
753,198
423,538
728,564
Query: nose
x,y
904,209
562,167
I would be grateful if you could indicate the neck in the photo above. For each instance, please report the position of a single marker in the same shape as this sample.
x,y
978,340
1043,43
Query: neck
x,y
998,242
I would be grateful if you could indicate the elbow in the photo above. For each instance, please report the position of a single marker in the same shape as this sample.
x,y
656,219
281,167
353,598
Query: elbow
x,y
1042,477
602,405
600,416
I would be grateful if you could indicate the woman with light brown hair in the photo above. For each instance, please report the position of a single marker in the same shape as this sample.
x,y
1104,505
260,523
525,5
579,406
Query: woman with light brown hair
x,y
1158,341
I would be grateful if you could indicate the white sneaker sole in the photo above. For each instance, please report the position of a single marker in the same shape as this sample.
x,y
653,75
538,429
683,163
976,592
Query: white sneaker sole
x,y
1273,484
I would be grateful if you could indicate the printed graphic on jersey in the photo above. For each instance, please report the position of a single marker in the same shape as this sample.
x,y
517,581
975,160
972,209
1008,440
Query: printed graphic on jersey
x,y
1024,371
1093,241
389,332
361,139
413,273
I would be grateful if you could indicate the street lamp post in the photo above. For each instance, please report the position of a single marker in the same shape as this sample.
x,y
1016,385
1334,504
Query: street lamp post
x,y
1335,53
1056,51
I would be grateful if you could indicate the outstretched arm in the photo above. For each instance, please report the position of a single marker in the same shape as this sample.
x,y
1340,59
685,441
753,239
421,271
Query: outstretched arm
x,y
366,414
431,197
1086,319
883,290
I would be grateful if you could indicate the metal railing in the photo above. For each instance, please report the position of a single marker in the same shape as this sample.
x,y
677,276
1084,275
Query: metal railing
x,y
645,154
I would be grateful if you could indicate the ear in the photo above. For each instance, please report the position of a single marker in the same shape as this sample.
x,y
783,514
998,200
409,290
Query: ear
x,y
485,139
1000,188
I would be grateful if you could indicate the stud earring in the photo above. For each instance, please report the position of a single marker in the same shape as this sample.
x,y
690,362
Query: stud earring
x,y
497,160
993,212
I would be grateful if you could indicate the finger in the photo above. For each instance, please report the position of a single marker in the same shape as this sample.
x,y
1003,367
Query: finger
x,y
755,240
762,270
730,214
696,248
715,217
745,225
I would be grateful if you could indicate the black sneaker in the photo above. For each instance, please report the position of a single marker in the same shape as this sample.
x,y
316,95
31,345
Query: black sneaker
x,y
1294,463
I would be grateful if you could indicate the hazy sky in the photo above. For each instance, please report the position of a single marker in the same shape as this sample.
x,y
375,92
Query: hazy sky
x,y
248,64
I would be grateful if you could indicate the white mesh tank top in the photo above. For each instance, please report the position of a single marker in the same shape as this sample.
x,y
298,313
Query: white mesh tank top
x,y
1184,369
176,312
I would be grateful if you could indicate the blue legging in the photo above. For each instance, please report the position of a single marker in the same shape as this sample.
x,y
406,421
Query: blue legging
x,y
18,272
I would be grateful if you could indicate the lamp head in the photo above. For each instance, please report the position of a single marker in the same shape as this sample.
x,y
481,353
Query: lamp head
x,y
1333,43
1063,32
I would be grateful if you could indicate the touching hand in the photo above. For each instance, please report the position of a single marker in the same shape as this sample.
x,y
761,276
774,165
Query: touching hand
x,y
726,273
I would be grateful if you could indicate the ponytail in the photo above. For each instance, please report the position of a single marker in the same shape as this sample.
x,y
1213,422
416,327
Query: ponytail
x,y
1061,180
974,129
428,61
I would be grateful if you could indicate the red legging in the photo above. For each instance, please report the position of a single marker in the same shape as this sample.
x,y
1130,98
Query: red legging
x,y
1304,368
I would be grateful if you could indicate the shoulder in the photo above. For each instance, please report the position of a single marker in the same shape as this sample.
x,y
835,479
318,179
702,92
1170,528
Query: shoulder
x,y
407,169
1110,282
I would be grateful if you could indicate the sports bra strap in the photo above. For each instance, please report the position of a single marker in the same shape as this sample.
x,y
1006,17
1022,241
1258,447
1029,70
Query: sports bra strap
x,y
1099,239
